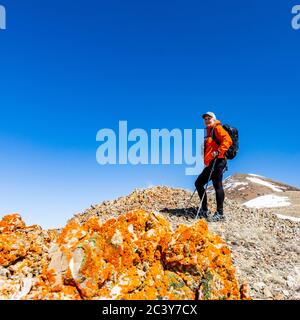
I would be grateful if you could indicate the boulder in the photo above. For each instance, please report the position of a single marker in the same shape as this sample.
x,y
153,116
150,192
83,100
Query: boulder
x,y
136,255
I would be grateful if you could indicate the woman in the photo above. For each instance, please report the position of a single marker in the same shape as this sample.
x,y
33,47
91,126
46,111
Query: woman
x,y
217,142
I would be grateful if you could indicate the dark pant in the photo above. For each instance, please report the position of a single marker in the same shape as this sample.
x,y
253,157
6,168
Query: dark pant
x,y
216,177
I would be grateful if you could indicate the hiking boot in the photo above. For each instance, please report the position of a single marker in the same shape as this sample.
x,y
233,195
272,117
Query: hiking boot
x,y
217,217
203,214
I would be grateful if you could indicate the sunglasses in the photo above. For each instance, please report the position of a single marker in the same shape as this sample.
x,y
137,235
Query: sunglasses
x,y
207,118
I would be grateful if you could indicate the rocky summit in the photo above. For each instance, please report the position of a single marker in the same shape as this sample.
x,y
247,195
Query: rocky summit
x,y
147,245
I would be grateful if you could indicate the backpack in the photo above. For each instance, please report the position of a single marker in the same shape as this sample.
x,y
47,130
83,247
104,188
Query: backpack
x,y
234,134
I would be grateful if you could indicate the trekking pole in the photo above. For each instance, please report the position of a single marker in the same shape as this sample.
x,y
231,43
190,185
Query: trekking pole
x,y
189,202
211,171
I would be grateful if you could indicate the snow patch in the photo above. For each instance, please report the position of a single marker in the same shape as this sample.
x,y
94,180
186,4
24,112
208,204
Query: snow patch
x,y
268,201
281,216
265,183
234,184
255,175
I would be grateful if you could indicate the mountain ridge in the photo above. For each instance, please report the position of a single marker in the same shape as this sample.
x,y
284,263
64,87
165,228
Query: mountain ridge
x,y
259,191
261,246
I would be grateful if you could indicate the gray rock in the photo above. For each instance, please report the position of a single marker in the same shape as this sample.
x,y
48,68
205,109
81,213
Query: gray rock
x,y
26,286
285,292
4,272
267,292
58,264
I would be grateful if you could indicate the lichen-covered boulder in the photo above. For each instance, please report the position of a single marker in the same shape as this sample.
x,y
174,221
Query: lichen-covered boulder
x,y
134,256
138,256
23,254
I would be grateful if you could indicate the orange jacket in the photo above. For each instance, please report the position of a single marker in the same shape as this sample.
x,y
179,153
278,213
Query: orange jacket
x,y
210,145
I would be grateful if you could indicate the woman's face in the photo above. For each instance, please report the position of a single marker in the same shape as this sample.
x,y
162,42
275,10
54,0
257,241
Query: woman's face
x,y
208,121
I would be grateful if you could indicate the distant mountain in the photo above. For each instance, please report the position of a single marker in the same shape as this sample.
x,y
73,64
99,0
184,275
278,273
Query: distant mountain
x,y
255,191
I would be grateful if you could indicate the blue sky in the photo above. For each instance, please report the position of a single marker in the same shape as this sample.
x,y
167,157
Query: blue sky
x,y
70,68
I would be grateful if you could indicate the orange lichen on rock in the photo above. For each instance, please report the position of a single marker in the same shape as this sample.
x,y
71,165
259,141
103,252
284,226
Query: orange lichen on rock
x,y
11,222
23,253
134,256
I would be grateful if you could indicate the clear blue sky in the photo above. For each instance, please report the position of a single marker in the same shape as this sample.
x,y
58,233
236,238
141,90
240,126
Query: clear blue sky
x,y
70,68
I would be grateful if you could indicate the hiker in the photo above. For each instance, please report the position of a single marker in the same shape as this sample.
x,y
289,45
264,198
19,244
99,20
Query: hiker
x,y
215,164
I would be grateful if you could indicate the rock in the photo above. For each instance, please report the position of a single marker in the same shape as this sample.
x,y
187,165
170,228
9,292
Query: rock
x,y
25,289
279,296
136,256
285,292
11,222
291,282
297,296
57,267
267,292
117,239
245,290
259,286
23,255
4,272
274,277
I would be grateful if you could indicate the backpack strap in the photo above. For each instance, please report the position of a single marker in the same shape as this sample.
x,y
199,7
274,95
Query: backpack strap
x,y
213,136
218,143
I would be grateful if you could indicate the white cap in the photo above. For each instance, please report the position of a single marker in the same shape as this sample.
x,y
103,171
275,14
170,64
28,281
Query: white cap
x,y
210,114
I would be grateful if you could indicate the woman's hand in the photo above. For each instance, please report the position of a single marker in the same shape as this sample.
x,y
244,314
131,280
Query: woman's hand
x,y
215,153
